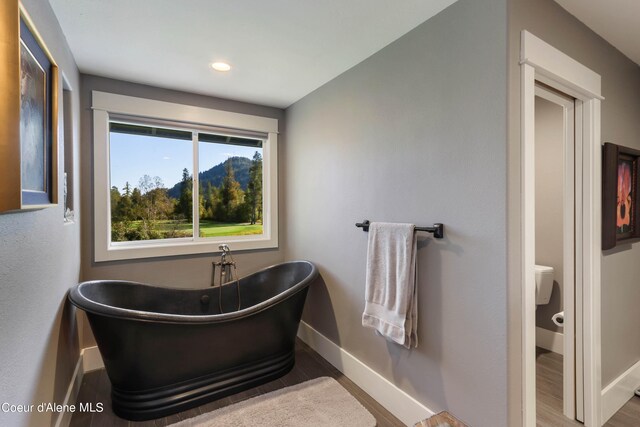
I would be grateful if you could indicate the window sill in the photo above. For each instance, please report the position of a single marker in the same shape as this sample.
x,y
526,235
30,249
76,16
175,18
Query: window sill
x,y
155,249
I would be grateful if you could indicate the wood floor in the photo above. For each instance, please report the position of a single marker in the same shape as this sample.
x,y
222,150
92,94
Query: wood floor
x,y
549,396
309,365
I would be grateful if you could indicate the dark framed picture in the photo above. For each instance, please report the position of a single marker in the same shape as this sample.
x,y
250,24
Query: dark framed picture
x,y
620,202
38,113
28,135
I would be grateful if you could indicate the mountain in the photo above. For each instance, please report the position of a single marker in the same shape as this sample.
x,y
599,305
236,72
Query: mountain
x,y
216,174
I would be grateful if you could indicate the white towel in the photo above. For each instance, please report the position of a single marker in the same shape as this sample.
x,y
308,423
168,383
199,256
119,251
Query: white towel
x,y
391,293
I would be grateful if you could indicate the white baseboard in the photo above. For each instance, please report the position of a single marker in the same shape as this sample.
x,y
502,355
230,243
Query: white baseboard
x,y
91,359
616,394
399,403
64,417
549,340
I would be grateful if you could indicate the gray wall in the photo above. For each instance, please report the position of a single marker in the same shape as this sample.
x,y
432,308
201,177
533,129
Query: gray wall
x,y
620,124
183,271
415,133
40,261
549,203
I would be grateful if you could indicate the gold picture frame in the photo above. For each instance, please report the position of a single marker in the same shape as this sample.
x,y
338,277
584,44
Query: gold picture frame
x,y
29,82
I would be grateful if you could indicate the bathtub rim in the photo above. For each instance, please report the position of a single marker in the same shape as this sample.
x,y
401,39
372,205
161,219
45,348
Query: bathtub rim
x,y
79,300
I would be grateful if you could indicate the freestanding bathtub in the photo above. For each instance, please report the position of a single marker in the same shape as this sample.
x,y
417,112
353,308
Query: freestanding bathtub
x,y
166,350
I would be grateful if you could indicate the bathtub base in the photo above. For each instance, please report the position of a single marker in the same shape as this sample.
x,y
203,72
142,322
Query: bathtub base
x,y
146,405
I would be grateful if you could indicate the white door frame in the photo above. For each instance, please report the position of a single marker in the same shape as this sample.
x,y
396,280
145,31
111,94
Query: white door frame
x,y
542,62
569,213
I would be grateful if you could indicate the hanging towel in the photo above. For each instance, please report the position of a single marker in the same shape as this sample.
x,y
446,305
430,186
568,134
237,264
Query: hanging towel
x,y
391,293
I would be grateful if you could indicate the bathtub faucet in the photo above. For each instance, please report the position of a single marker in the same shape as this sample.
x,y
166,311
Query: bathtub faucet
x,y
225,266
225,250
226,274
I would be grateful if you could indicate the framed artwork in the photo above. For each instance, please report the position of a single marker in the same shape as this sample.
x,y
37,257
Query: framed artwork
x,y
620,198
28,144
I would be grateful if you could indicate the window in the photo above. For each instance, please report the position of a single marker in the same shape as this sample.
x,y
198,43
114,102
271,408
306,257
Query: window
x,y
148,200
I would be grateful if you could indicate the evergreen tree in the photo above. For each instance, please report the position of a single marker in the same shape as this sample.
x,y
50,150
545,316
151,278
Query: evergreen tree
x,y
231,195
115,201
127,189
136,205
212,202
184,207
125,207
253,198
201,203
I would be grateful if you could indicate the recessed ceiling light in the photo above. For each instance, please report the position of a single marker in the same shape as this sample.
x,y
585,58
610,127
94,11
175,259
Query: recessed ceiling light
x,y
221,66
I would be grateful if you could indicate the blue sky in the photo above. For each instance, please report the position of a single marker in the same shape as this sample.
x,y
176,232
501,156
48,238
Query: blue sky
x,y
133,156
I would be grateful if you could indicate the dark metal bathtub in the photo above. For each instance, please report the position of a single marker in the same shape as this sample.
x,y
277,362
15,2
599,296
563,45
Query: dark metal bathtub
x,y
166,350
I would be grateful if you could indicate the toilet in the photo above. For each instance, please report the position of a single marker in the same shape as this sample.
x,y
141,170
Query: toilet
x,y
544,284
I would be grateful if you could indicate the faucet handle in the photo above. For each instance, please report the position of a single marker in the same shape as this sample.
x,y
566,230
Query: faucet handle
x,y
224,248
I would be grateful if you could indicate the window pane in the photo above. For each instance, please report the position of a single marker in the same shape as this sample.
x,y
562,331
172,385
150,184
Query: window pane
x,y
230,189
150,182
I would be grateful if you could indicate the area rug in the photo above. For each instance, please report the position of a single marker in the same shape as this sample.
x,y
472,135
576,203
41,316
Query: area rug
x,y
321,402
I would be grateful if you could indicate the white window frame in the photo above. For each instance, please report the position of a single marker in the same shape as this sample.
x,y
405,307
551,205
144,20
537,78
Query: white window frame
x,y
105,105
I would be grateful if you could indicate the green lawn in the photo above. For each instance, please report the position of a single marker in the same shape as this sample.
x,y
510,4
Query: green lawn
x,y
214,229
177,228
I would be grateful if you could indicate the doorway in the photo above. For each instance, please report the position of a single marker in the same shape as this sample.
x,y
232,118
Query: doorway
x,y
555,213
542,63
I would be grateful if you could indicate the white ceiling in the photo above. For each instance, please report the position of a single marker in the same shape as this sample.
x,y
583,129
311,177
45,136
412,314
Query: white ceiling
x,y
280,50
616,21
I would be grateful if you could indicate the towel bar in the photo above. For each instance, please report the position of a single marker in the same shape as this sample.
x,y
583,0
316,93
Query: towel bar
x,y
437,229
